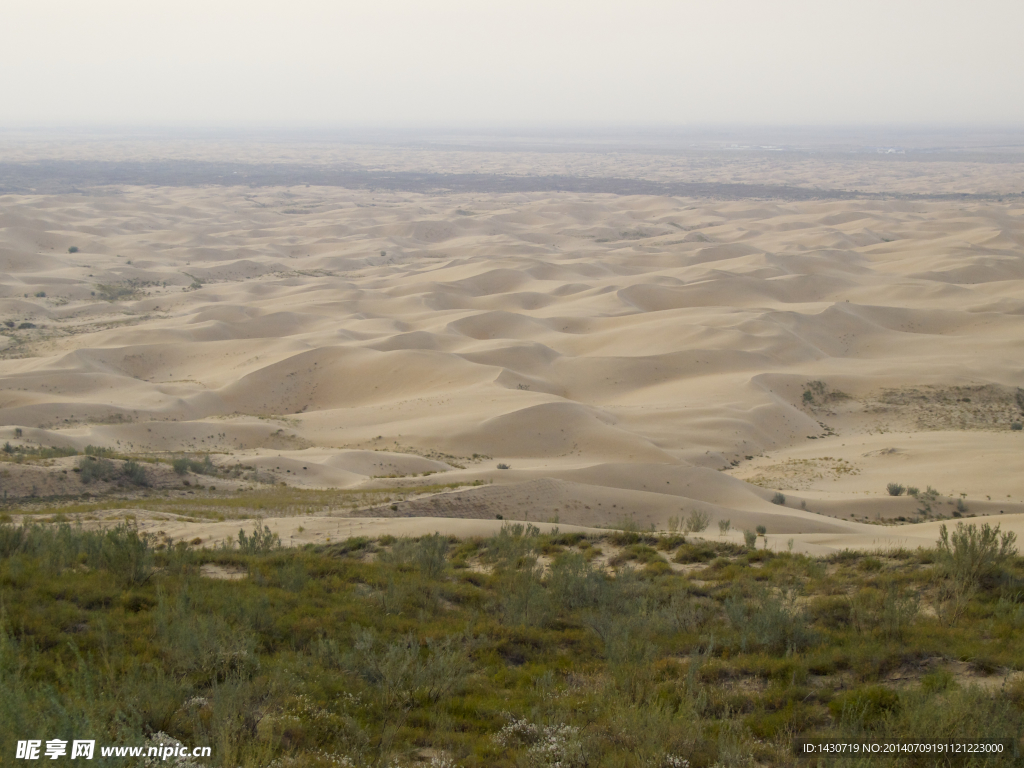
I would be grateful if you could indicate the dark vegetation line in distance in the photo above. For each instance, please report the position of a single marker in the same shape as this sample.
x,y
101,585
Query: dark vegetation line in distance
x,y
63,176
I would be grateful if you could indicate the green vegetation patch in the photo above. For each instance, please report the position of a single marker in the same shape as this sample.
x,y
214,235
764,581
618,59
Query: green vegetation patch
x,y
445,652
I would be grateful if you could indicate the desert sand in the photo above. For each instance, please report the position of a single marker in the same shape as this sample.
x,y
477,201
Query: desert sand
x,y
629,358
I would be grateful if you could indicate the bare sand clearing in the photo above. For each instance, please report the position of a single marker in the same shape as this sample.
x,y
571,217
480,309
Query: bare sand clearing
x,y
626,357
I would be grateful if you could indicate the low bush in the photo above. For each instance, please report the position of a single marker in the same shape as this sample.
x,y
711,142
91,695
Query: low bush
x,y
866,706
135,473
92,469
259,542
697,521
372,652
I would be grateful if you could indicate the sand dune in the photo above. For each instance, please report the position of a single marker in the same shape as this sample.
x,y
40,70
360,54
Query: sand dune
x,y
628,357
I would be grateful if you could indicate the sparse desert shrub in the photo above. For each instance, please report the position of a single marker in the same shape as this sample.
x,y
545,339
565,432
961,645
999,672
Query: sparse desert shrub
x,y
938,681
92,469
430,555
971,553
183,464
913,490
127,555
574,583
522,600
40,294
769,622
697,521
673,525
259,541
779,498
504,466
723,527
127,289
960,506
965,558
750,538
865,706
400,676
73,249
895,489
890,613
928,497
1017,426
135,473
761,530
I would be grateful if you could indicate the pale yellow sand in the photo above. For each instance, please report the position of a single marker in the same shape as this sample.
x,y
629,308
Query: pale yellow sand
x,y
624,355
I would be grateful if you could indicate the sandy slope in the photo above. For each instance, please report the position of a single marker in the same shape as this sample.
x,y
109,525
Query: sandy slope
x,y
626,356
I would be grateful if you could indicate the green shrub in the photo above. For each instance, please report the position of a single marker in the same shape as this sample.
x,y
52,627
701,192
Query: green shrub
x,y
830,611
723,527
92,469
779,499
891,613
135,473
750,538
180,465
574,584
430,557
965,558
73,249
927,498
127,555
700,552
769,622
895,489
971,553
865,706
761,530
697,521
938,680
1017,426
259,542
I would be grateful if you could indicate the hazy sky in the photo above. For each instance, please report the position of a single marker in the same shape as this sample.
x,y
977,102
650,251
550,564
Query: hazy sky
x,y
315,62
